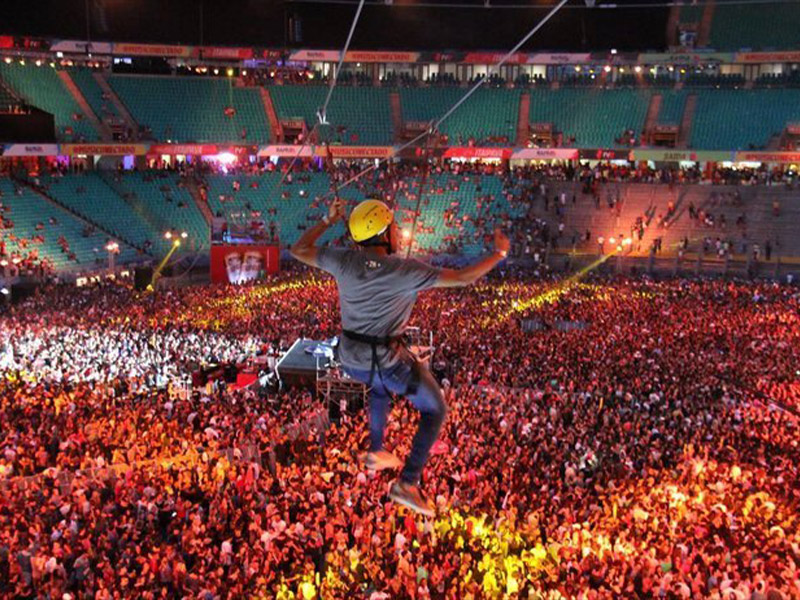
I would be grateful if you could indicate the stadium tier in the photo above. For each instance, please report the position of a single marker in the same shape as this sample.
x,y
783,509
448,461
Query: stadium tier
x,y
594,117
356,115
91,197
42,87
85,80
487,118
54,233
672,105
742,119
188,109
760,26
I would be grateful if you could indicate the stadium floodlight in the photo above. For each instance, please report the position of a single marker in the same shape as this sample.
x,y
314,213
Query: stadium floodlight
x,y
589,3
184,235
5,291
168,235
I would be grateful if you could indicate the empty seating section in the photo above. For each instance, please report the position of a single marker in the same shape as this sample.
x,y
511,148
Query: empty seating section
x,y
489,117
672,105
186,109
91,197
93,93
728,119
165,204
42,88
759,27
357,116
34,216
595,117
691,13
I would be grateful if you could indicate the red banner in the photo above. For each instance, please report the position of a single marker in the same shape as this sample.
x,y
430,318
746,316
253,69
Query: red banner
x,y
355,151
491,58
153,50
471,152
6,41
184,149
226,53
768,157
242,263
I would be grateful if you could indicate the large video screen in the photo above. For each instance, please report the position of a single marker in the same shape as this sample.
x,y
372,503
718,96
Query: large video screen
x,y
241,263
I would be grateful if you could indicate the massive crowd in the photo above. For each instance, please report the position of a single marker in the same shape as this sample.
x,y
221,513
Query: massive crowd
x,y
605,439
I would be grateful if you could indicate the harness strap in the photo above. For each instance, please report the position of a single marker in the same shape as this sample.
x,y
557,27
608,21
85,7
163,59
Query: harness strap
x,y
374,342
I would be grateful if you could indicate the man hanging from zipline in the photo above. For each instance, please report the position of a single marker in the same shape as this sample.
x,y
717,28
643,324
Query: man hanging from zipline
x,y
377,291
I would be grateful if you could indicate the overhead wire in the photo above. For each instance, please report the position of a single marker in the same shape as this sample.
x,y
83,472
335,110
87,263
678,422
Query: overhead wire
x,y
437,123
322,111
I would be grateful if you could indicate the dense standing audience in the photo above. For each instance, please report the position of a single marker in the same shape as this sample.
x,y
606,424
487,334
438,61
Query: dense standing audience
x,y
605,439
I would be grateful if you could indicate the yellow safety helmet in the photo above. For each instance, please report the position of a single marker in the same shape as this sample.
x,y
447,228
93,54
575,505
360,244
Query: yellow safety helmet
x,y
368,219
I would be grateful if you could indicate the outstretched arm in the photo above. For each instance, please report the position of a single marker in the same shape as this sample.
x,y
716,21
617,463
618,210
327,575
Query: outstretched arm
x,y
471,274
305,249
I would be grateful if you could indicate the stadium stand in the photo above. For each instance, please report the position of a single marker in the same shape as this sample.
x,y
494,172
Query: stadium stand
x,y
187,109
672,105
164,202
357,115
85,81
595,117
489,117
90,196
727,119
41,87
755,26
33,216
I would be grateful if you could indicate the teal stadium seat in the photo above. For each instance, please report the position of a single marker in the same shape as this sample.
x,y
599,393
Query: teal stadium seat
x,y
29,210
41,87
488,117
756,26
188,109
596,117
358,116
672,105
737,119
93,93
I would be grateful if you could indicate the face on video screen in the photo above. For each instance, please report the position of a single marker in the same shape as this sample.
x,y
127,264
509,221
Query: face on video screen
x,y
241,268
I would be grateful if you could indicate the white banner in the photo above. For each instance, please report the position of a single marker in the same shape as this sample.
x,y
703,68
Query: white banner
x,y
315,55
286,150
81,47
29,150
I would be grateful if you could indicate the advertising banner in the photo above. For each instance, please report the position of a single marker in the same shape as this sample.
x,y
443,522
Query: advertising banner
x,y
768,57
545,154
153,50
236,264
768,157
315,55
672,155
492,58
184,149
103,149
226,53
381,57
286,151
81,47
29,150
472,152
560,58
601,154
355,151
685,58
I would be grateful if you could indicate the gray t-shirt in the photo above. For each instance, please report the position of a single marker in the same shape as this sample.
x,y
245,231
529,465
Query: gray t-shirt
x,y
376,295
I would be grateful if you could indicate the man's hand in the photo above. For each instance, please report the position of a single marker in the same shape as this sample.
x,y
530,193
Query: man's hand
x,y
501,243
336,210
471,274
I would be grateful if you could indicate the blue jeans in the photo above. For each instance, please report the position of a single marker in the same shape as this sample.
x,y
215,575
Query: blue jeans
x,y
427,399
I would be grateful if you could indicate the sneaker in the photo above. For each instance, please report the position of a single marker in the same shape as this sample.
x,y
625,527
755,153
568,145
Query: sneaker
x,y
381,460
412,497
